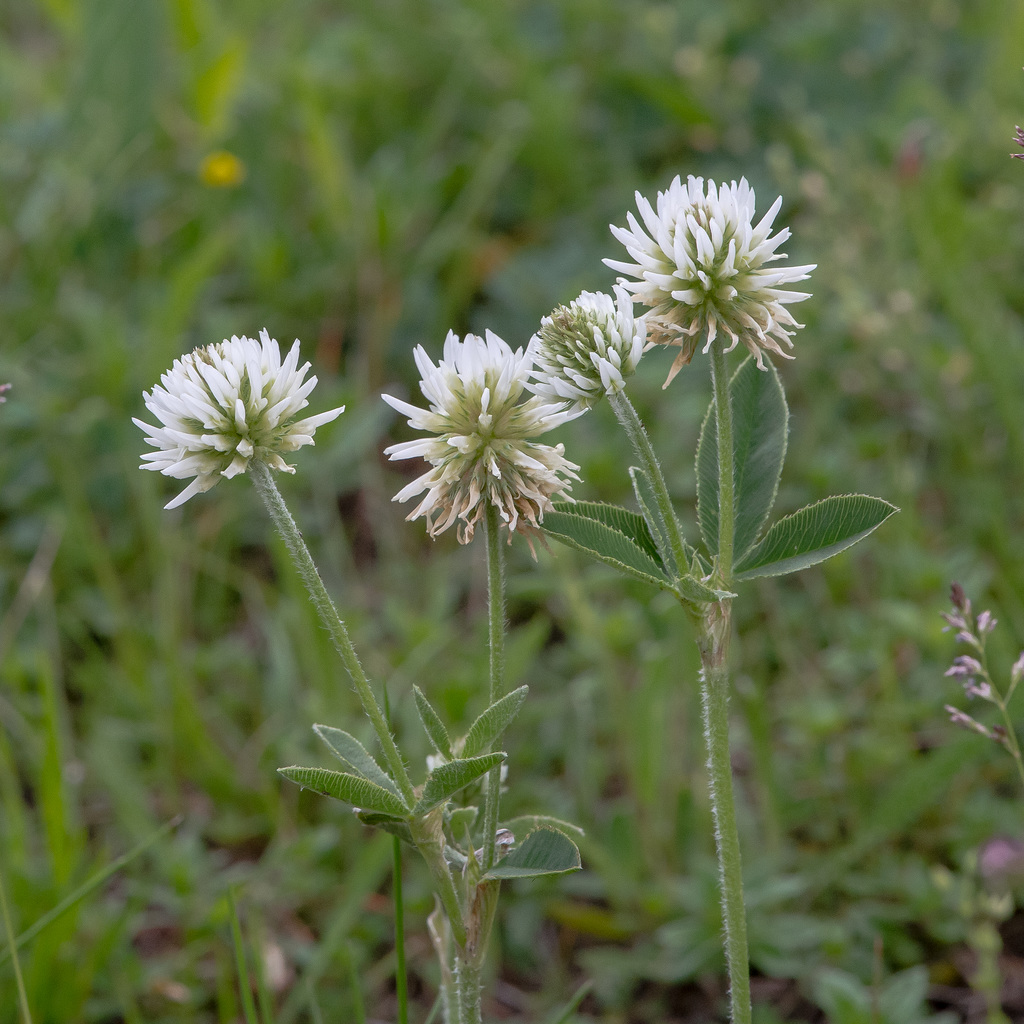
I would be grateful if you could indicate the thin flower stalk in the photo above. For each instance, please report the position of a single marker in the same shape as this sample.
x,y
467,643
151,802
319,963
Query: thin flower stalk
x,y
631,423
496,642
716,626
282,517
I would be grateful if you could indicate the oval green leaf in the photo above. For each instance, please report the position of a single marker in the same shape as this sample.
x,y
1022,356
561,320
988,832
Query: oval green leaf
x,y
813,534
543,852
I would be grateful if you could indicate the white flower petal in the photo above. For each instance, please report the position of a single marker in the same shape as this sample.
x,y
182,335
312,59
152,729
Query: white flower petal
x,y
224,405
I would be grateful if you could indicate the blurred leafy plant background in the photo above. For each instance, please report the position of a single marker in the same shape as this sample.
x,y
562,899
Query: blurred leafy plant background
x,y
365,176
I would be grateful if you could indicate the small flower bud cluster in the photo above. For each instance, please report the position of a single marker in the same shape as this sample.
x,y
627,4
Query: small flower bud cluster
x,y
3,388
587,349
1019,139
972,670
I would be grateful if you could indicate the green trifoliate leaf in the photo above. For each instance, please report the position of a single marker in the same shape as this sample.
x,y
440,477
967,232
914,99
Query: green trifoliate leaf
x,y
353,789
493,722
387,823
527,823
760,423
648,502
432,724
605,542
543,852
813,534
447,779
616,518
354,756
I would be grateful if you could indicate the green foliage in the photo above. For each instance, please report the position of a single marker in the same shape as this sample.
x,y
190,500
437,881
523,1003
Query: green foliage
x,y
591,533
433,725
413,168
490,726
545,851
353,789
813,534
447,779
899,1000
354,756
643,490
760,426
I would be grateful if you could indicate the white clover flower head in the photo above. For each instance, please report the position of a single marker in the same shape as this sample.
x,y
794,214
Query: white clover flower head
x,y
223,406
702,267
587,349
483,449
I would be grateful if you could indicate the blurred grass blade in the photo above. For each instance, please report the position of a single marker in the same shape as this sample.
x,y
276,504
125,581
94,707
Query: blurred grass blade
x,y
26,1014
563,1015
241,965
87,887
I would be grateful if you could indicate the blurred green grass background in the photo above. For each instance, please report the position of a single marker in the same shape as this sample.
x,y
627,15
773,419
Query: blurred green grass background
x,y
388,171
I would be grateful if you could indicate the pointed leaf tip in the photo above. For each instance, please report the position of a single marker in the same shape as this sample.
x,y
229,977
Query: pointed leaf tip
x,y
488,728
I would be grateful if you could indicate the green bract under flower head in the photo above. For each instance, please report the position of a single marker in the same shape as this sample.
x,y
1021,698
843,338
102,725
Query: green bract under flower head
x,y
224,405
702,267
587,349
483,451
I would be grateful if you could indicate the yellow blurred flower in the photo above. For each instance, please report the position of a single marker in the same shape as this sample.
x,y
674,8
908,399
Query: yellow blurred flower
x,y
221,169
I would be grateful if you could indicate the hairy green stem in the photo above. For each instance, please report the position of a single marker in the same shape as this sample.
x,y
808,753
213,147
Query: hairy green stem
x,y
726,478
26,1015
469,989
401,979
716,625
714,647
428,836
264,483
638,438
496,639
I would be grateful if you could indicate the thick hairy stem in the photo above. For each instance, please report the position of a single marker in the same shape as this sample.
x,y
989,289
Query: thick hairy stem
x,y
714,647
264,483
429,839
634,428
468,991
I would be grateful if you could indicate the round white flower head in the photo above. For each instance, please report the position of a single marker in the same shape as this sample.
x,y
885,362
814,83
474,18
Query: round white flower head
x,y
587,349
702,265
224,405
483,450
